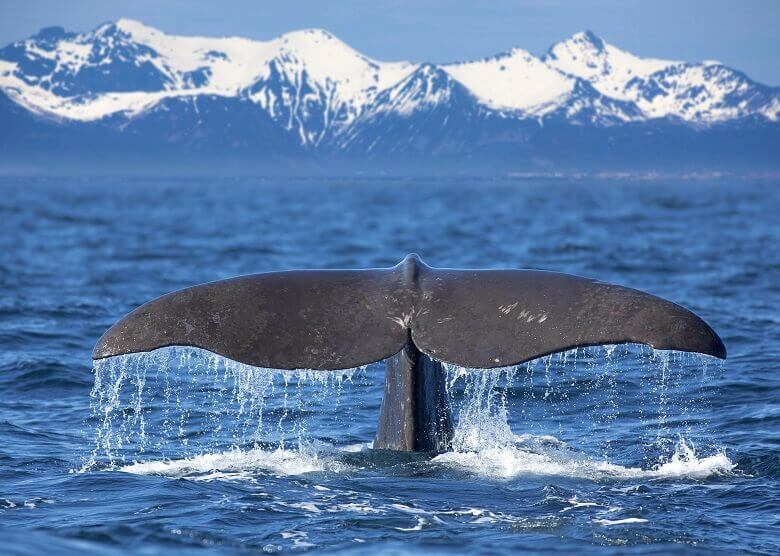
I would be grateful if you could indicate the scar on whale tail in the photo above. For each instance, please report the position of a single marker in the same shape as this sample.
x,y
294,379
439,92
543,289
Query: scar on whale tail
x,y
413,315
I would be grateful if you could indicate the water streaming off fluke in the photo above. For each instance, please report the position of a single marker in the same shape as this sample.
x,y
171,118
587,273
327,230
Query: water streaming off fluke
x,y
179,401
187,412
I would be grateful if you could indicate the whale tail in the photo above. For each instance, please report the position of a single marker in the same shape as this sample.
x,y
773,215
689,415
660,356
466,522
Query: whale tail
x,y
413,313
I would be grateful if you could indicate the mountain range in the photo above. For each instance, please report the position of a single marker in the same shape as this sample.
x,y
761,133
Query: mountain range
x,y
128,98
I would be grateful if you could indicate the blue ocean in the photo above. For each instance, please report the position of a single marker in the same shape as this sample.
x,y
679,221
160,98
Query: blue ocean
x,y
602,450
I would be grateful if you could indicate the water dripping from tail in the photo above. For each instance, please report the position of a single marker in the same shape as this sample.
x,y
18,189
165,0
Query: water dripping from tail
x,y
186,404
613,412
607,412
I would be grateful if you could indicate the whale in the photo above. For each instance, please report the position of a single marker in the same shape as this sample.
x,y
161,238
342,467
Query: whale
x,y
415,317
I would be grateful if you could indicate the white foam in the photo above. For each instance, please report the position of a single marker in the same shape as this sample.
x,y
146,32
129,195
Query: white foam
x,y
355,507
238,464
507,462
407,509
620,521
684,463
298,539
359,447
421,522
306,506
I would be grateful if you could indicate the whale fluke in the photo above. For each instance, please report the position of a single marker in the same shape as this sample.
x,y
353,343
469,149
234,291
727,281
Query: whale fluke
x,y
415,316
318,319
336,319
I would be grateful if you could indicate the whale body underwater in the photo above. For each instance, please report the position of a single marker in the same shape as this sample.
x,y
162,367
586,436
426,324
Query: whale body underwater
x,y
412,315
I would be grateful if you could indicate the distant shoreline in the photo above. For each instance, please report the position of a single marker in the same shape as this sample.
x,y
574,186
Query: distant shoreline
x,y
703,176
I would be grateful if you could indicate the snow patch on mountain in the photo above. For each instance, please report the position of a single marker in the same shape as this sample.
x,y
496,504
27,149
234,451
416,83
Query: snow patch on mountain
x,y
516,80
232,63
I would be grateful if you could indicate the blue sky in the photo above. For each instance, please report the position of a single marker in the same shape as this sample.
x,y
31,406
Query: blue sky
x,y
744,34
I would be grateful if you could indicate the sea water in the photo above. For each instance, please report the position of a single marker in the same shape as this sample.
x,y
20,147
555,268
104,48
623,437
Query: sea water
x,y
605,449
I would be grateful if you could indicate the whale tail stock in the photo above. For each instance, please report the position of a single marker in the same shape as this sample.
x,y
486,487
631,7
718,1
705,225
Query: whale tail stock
x,y
415,314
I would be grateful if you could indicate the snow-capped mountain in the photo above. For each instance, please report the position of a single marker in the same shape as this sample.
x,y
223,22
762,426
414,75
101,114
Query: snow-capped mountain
x,y
427,112
701,93
131,86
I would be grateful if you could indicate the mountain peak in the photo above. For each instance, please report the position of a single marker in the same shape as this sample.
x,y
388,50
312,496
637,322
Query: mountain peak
x,y
588,38
313,36
588,57
313,32
137,30
428,78
323,47
428,86
128,23
585,44
514,80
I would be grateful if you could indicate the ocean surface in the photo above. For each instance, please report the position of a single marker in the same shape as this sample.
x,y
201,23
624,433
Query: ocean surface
x,y
615,449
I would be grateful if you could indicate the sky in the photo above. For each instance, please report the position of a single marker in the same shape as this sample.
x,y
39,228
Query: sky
x,y
744,34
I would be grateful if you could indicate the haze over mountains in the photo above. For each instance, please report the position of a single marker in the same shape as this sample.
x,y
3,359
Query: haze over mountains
x,y
128,98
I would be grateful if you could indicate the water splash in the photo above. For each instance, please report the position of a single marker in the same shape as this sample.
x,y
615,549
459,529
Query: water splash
x,y
632,405
545,456
240,464
483,413
179,401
